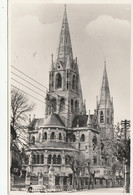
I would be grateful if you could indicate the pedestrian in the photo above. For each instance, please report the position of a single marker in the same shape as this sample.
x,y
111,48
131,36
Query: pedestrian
x,y
30,188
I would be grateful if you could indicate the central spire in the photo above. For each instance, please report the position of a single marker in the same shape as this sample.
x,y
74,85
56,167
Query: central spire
x,y
65,47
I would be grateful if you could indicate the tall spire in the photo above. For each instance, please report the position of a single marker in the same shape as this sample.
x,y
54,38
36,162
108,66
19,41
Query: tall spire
x,y
65,47
105,92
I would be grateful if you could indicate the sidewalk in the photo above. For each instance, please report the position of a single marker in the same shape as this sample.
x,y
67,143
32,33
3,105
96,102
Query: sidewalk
x,y
84,192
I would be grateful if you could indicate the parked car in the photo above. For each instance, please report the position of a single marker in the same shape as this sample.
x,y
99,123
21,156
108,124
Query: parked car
x,y
37,188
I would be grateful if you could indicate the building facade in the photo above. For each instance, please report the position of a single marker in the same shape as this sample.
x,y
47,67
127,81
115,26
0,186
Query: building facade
x,y
66,128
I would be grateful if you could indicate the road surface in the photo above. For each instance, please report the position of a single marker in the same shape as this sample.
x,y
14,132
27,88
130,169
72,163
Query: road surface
x,y
85,192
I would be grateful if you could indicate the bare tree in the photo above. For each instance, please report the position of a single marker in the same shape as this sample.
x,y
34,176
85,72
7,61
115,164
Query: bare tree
x,y
20,106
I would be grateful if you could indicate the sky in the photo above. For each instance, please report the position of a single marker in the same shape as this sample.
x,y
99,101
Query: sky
x,y
98,32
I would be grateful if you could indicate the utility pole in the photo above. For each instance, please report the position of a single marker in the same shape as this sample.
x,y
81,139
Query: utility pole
x,y
126,124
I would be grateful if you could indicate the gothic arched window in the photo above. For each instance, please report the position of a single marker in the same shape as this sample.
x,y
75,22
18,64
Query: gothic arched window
x,y
53,104
45,136
52,135
67,159
60,136
54,159
33,140
74,138
67,84
58,81
72,105
38,159
82,137
73,82
62,104
34,159
59,159
49,158
94,142
101,117
76,106
42,158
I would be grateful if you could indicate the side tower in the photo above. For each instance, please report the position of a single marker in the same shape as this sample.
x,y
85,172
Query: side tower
x,y
65,95
105,110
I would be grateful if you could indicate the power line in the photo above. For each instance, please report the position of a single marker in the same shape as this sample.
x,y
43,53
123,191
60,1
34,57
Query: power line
x,y
37,92
33,90
28,77
27,81
32,97
33,85
41,85
27,94
27,87
39,89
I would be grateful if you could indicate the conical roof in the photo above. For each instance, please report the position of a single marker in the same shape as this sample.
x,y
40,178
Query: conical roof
x,y
65,47
54,120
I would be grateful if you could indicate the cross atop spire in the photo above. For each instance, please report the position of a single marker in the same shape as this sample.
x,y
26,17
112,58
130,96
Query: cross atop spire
x,y
65,47
65,7
104,62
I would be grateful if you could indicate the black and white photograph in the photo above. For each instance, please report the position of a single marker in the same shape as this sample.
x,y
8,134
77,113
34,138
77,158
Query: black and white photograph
x,y
69,82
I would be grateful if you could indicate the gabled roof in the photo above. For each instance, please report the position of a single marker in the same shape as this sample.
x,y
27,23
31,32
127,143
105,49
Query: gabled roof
x,y
36,123
53,120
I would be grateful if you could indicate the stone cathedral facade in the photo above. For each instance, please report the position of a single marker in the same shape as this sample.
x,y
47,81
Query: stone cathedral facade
x,y
67,128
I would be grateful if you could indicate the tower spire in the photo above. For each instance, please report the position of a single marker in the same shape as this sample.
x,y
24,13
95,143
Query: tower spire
x,y
65,47
105,92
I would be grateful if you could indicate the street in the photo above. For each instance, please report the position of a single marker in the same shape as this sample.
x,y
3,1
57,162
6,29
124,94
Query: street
x,y
85,192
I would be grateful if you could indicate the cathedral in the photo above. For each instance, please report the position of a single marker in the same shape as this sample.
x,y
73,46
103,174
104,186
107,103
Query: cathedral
x,y
67,128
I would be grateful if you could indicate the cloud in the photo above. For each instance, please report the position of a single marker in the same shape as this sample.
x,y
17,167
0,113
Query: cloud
x,y
108,27
29,32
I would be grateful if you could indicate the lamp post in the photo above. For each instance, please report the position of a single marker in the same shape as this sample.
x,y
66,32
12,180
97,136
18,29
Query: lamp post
x,y
126,124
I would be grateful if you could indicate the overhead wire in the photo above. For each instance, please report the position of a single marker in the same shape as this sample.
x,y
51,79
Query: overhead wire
x,y
28,87
39,84
27,81
36,92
